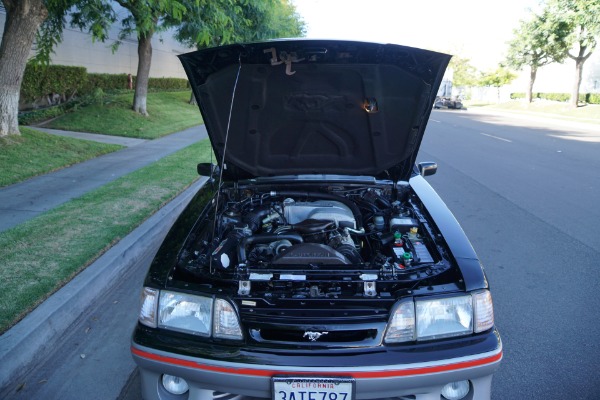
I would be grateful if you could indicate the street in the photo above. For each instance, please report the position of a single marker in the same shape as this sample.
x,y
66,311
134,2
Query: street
x,y
526,192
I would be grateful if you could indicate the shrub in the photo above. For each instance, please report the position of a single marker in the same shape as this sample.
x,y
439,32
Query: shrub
x,y
97,96
106,82
563,97
590,98
168,84
42,114
40,81
593,98
111,82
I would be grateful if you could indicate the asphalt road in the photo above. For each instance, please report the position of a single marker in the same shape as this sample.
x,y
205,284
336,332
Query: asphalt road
x,y
527,193
93,361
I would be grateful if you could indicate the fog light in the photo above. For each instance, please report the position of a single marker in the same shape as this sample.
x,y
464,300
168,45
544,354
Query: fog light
x,y
174,384
456,390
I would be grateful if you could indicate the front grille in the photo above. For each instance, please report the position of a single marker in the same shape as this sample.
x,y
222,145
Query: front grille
x,y
306,323
283,335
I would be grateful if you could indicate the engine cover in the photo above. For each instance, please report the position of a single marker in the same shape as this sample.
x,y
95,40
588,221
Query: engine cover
x,y
310,253
327,210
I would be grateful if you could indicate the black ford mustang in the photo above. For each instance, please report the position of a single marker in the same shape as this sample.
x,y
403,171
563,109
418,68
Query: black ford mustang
x,y
317,263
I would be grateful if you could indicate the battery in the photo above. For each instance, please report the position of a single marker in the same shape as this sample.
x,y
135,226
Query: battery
x,y
402,224
399,251
422,254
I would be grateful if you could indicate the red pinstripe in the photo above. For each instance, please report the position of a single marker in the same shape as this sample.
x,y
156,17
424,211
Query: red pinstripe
x,y
363,374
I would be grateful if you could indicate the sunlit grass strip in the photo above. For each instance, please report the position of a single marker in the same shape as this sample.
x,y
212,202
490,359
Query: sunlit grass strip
x,y
35,153
169,112
553,109
40,256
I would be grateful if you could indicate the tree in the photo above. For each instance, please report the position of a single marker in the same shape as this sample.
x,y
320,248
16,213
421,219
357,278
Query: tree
x,y
498,78
23,18
207,23
271,19
218,22
42,21
583,16
464,74
538,42
145,18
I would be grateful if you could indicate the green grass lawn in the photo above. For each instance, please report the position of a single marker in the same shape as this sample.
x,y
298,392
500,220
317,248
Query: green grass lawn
x,y
35,153
555,109
169,112
41,255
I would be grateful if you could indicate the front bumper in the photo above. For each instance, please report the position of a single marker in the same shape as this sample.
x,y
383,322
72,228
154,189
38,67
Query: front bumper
x,y
422,380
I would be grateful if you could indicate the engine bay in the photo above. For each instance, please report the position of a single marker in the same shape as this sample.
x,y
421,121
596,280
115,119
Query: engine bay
x,y
342,241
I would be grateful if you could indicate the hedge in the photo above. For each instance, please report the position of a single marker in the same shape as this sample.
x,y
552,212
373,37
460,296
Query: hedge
x,y
590,98
168,84
109,82
40,81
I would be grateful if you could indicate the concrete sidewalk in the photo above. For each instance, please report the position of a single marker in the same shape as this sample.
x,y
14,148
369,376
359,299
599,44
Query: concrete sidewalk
x,y
25,200
33,339
29,341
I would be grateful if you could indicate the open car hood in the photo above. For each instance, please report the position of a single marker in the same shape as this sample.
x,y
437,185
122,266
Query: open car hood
x,y
296,107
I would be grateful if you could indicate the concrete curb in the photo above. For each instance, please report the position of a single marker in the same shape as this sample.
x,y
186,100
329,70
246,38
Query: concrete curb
x,y
29,341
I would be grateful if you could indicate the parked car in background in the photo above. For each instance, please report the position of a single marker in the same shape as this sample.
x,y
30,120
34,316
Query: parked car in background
x,y
317,264
443,102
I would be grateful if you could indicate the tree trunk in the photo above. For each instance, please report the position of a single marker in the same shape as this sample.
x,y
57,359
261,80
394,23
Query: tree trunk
x,y
579,61
23,18
193,100
143,73
532,75
574,102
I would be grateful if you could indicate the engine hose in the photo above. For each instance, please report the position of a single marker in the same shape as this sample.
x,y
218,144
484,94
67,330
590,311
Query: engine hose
x,y
254,218
264,238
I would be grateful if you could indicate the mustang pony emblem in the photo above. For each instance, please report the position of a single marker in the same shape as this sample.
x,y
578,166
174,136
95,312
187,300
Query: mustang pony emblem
x,y
313,336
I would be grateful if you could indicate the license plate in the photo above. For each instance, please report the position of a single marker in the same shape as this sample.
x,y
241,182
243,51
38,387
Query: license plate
x,y
292,388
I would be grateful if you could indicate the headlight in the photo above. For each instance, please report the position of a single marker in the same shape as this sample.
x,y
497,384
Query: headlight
x,y
402,325
428,319
185,313
484,311
447,317
148,301
189,313
225,322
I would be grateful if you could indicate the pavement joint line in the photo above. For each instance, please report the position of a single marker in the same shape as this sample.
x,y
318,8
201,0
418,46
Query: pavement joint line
x,y
33,338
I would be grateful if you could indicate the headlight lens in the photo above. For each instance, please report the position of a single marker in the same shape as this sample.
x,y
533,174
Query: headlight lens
x,y
149,300
429,319
447,317
185,313
225,322
484,311
402,325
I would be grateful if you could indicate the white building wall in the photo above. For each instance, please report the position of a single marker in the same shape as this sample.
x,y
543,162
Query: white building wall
x,y
78,49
